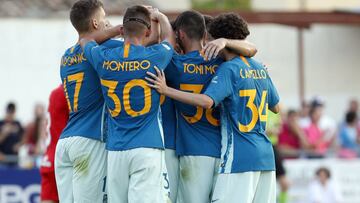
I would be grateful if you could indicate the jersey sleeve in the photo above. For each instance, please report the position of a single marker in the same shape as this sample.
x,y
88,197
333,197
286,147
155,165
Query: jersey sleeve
x,y
94,53
273,96
164,52
221,85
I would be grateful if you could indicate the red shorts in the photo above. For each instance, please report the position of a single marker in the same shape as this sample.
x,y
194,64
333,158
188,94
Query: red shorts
x,y
48,187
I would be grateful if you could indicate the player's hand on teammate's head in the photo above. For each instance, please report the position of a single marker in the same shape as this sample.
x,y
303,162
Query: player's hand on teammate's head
x,y
155,13
149,7
158,81
213,48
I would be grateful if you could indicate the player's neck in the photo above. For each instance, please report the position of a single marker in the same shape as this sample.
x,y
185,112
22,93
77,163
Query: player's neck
x,y
228,55
82,35
134,40
193,46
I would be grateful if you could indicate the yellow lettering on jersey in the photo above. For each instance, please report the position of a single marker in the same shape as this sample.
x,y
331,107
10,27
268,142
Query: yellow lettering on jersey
x,y
256,112
72,60
199,68
196,88
253,74
126,66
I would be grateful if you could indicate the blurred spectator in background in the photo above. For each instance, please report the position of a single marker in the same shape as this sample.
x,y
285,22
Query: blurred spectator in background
x,y
314,135
320,132
292,139
35,131
354,107
304,120
11,133
322,189
349,137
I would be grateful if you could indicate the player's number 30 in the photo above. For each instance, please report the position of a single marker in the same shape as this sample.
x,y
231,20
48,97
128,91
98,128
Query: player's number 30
x,y
111,85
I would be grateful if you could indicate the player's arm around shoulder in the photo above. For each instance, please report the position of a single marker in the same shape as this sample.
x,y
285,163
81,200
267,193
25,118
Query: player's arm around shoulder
x,y
158,82
241,47
101,36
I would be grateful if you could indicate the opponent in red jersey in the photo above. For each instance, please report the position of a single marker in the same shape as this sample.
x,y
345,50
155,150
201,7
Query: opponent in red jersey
x,y
58,117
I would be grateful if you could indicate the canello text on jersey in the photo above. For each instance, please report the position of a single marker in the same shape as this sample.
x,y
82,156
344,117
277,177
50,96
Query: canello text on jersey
x,y
257,74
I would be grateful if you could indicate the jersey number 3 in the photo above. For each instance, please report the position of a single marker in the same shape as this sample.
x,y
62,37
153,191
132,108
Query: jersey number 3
x,y
196,88
257,113
111,85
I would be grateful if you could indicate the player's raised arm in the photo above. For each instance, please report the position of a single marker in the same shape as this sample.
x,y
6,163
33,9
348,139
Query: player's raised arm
x,y
241,47
101,35
238,46
166,33
154,37
159,83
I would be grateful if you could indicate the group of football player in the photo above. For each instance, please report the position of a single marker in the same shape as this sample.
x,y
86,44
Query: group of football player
x,y
164,112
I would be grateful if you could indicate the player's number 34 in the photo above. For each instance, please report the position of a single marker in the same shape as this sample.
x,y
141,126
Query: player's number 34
x,y
257,113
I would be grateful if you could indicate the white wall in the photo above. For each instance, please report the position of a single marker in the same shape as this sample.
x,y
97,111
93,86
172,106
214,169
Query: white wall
x,y
30,57
309,5
31,49
332,63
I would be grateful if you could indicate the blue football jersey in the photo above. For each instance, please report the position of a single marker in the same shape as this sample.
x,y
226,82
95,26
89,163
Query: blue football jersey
x,y
134,107
244,91
198,132
168,117
83,94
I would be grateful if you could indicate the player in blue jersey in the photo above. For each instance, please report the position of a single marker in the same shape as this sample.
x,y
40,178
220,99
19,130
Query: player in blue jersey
x,y
243,89
196,126
169,121
135,142
80,157
169,118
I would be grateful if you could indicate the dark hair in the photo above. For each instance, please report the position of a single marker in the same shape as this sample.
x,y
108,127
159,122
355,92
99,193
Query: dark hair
x,y
229,26
325,170
317,102
81,13
291,112
172,23
313,109
192,23
350,117
10,107
136,19
208,20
